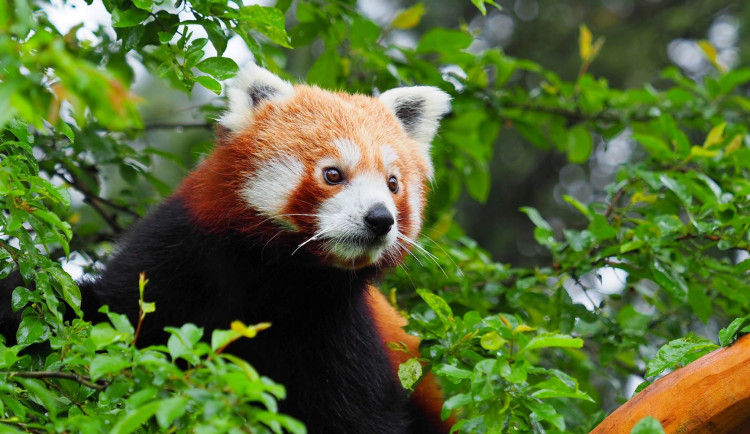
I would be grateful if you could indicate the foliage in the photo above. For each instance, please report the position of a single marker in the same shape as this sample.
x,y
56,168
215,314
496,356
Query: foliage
x,y
647,425
515,351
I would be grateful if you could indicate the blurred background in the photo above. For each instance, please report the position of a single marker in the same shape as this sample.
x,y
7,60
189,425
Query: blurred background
x,y
641,38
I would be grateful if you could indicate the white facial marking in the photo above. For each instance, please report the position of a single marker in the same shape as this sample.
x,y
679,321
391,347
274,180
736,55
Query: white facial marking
x,y
268,189
389,155
349,152
341,218
414,190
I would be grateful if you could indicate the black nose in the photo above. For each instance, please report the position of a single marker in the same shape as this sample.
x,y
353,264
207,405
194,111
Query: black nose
x,y
379,220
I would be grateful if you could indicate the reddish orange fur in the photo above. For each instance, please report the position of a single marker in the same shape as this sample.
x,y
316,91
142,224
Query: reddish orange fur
x,y
390,323
305,126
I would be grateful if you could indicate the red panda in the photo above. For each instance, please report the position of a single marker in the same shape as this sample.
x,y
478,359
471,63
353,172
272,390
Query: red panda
x,y
307,197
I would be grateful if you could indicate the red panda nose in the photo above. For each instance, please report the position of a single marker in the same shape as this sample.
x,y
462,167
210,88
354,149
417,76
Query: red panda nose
x,y
379,220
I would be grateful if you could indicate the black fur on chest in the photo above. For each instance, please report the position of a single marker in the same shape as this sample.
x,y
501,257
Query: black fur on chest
x,y
322,345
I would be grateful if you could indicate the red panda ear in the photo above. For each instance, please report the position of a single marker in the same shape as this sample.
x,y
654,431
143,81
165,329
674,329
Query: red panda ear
x,y
252,86
419,110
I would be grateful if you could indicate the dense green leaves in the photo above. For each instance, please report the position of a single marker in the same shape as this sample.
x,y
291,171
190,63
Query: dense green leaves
x,y
516,348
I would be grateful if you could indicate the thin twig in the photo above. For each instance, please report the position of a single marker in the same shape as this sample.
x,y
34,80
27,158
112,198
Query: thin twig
x,y
94,201
613,202
83,379
692,236
65,394
86,192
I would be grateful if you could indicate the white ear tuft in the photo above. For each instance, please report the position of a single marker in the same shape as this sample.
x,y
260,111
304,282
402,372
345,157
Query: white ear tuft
x,y
248,90
419,109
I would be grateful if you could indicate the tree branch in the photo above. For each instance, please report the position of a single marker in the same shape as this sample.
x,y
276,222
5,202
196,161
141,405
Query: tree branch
x,y
94,201
83,379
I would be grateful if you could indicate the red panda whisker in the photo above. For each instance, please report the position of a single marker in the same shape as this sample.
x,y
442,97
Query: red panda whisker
x,y
312,238
460,271
417,245
413,255
269,240
424,251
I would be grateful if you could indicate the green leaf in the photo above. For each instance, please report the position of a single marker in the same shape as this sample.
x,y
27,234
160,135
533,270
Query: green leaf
x,y
306,12
733,79
409,18
555,388
647,425
119,321
456,401
715,136
677,353
104,364
30,331
552,340
654,146
102,334
600,228
163,188
452,373
544,411
478,181
673,283
409,373
47,398
732,332
492,341
183,340
699,302
668,223
133,419
438,305
444,40
222,68
216,35
54,221
579,240
480,4
70,291
209,83
536,218
326,70
580,144
267,20
171,409
19,298
146,5
677,187
700,152
220,338
577,204
128,17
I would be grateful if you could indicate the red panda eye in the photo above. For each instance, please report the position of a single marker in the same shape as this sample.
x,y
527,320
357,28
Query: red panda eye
x,y
393,184
333,175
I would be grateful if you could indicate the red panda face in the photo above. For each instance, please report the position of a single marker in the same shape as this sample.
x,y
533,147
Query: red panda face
x,y
338,176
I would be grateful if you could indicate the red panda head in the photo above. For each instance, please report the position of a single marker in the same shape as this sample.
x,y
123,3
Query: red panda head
x,y
339,176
